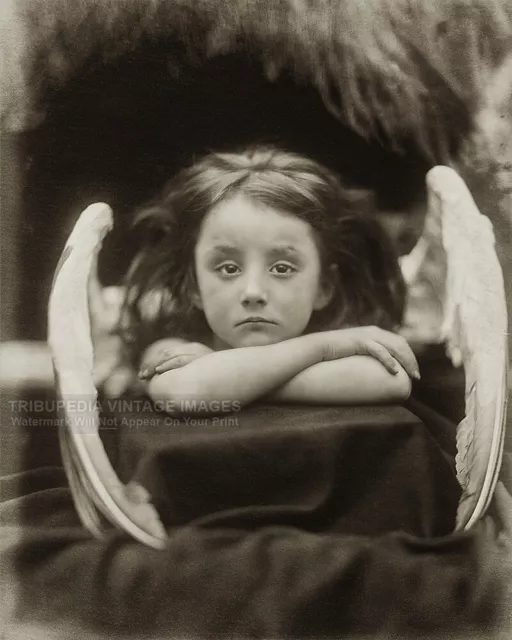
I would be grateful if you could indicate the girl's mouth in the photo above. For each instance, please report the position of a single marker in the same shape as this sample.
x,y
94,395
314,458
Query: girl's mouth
x,y
254,320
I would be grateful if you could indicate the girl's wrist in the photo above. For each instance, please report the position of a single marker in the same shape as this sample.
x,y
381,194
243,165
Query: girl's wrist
x,y
331,345
315,345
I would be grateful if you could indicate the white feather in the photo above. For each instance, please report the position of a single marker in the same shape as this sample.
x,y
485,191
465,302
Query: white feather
x,y
473,327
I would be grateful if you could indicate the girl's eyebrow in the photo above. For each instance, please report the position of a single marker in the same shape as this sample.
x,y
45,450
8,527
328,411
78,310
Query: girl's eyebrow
x,y
274,252
285,249
224,250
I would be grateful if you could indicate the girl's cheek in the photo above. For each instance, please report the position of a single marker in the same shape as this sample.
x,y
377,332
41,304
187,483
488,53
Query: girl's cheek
x,y
299,286
217,292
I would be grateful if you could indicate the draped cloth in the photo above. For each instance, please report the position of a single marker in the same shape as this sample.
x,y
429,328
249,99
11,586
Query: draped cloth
x,y
288,522
351,470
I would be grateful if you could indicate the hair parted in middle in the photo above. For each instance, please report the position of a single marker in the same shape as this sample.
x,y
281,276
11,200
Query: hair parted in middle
x,y
369,288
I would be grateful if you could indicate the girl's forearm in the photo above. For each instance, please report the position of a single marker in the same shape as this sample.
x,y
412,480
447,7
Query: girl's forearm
x,y
235,375
352,380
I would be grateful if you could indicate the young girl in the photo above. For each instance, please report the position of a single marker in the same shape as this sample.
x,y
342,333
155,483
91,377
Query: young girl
x,y
273,283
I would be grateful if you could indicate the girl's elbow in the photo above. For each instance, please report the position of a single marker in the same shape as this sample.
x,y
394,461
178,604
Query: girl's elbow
x,y
171,391
181,394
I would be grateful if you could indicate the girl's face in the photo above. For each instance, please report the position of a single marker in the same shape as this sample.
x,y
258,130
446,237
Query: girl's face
x,y
258,273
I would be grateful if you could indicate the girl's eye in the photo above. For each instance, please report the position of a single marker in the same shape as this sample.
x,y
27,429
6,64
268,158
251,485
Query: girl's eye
x,y
283,269
228,269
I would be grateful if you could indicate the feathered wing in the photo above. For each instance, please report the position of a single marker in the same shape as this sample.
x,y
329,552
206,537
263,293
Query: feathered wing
x,y
456,255
78,312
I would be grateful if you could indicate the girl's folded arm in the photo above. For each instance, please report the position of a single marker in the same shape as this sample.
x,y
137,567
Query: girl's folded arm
x,y
356,365
353,380
238,376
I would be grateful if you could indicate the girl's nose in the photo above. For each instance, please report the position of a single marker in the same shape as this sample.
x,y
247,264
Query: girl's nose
x,y
254,292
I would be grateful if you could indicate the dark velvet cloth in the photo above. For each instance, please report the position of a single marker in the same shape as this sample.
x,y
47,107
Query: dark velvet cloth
x,y
352,470
293,522
270,582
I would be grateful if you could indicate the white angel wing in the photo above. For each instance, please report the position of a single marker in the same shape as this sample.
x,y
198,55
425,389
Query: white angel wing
x,y
457,246
98,493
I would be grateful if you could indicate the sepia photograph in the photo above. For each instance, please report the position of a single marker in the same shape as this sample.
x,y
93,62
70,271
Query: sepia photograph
x,y
256,300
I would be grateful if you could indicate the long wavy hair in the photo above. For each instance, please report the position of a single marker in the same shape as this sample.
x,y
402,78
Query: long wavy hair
x,y
369,288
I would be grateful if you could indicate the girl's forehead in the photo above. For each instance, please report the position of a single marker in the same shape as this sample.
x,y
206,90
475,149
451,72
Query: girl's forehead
x,y
242,220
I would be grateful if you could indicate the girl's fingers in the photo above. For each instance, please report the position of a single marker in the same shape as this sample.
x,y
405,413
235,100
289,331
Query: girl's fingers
x,y
149,367
381,353
173,363
407,359
158,357
400,349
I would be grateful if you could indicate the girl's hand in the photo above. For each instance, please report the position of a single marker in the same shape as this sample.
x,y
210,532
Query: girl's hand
x,y
385,346
170,354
